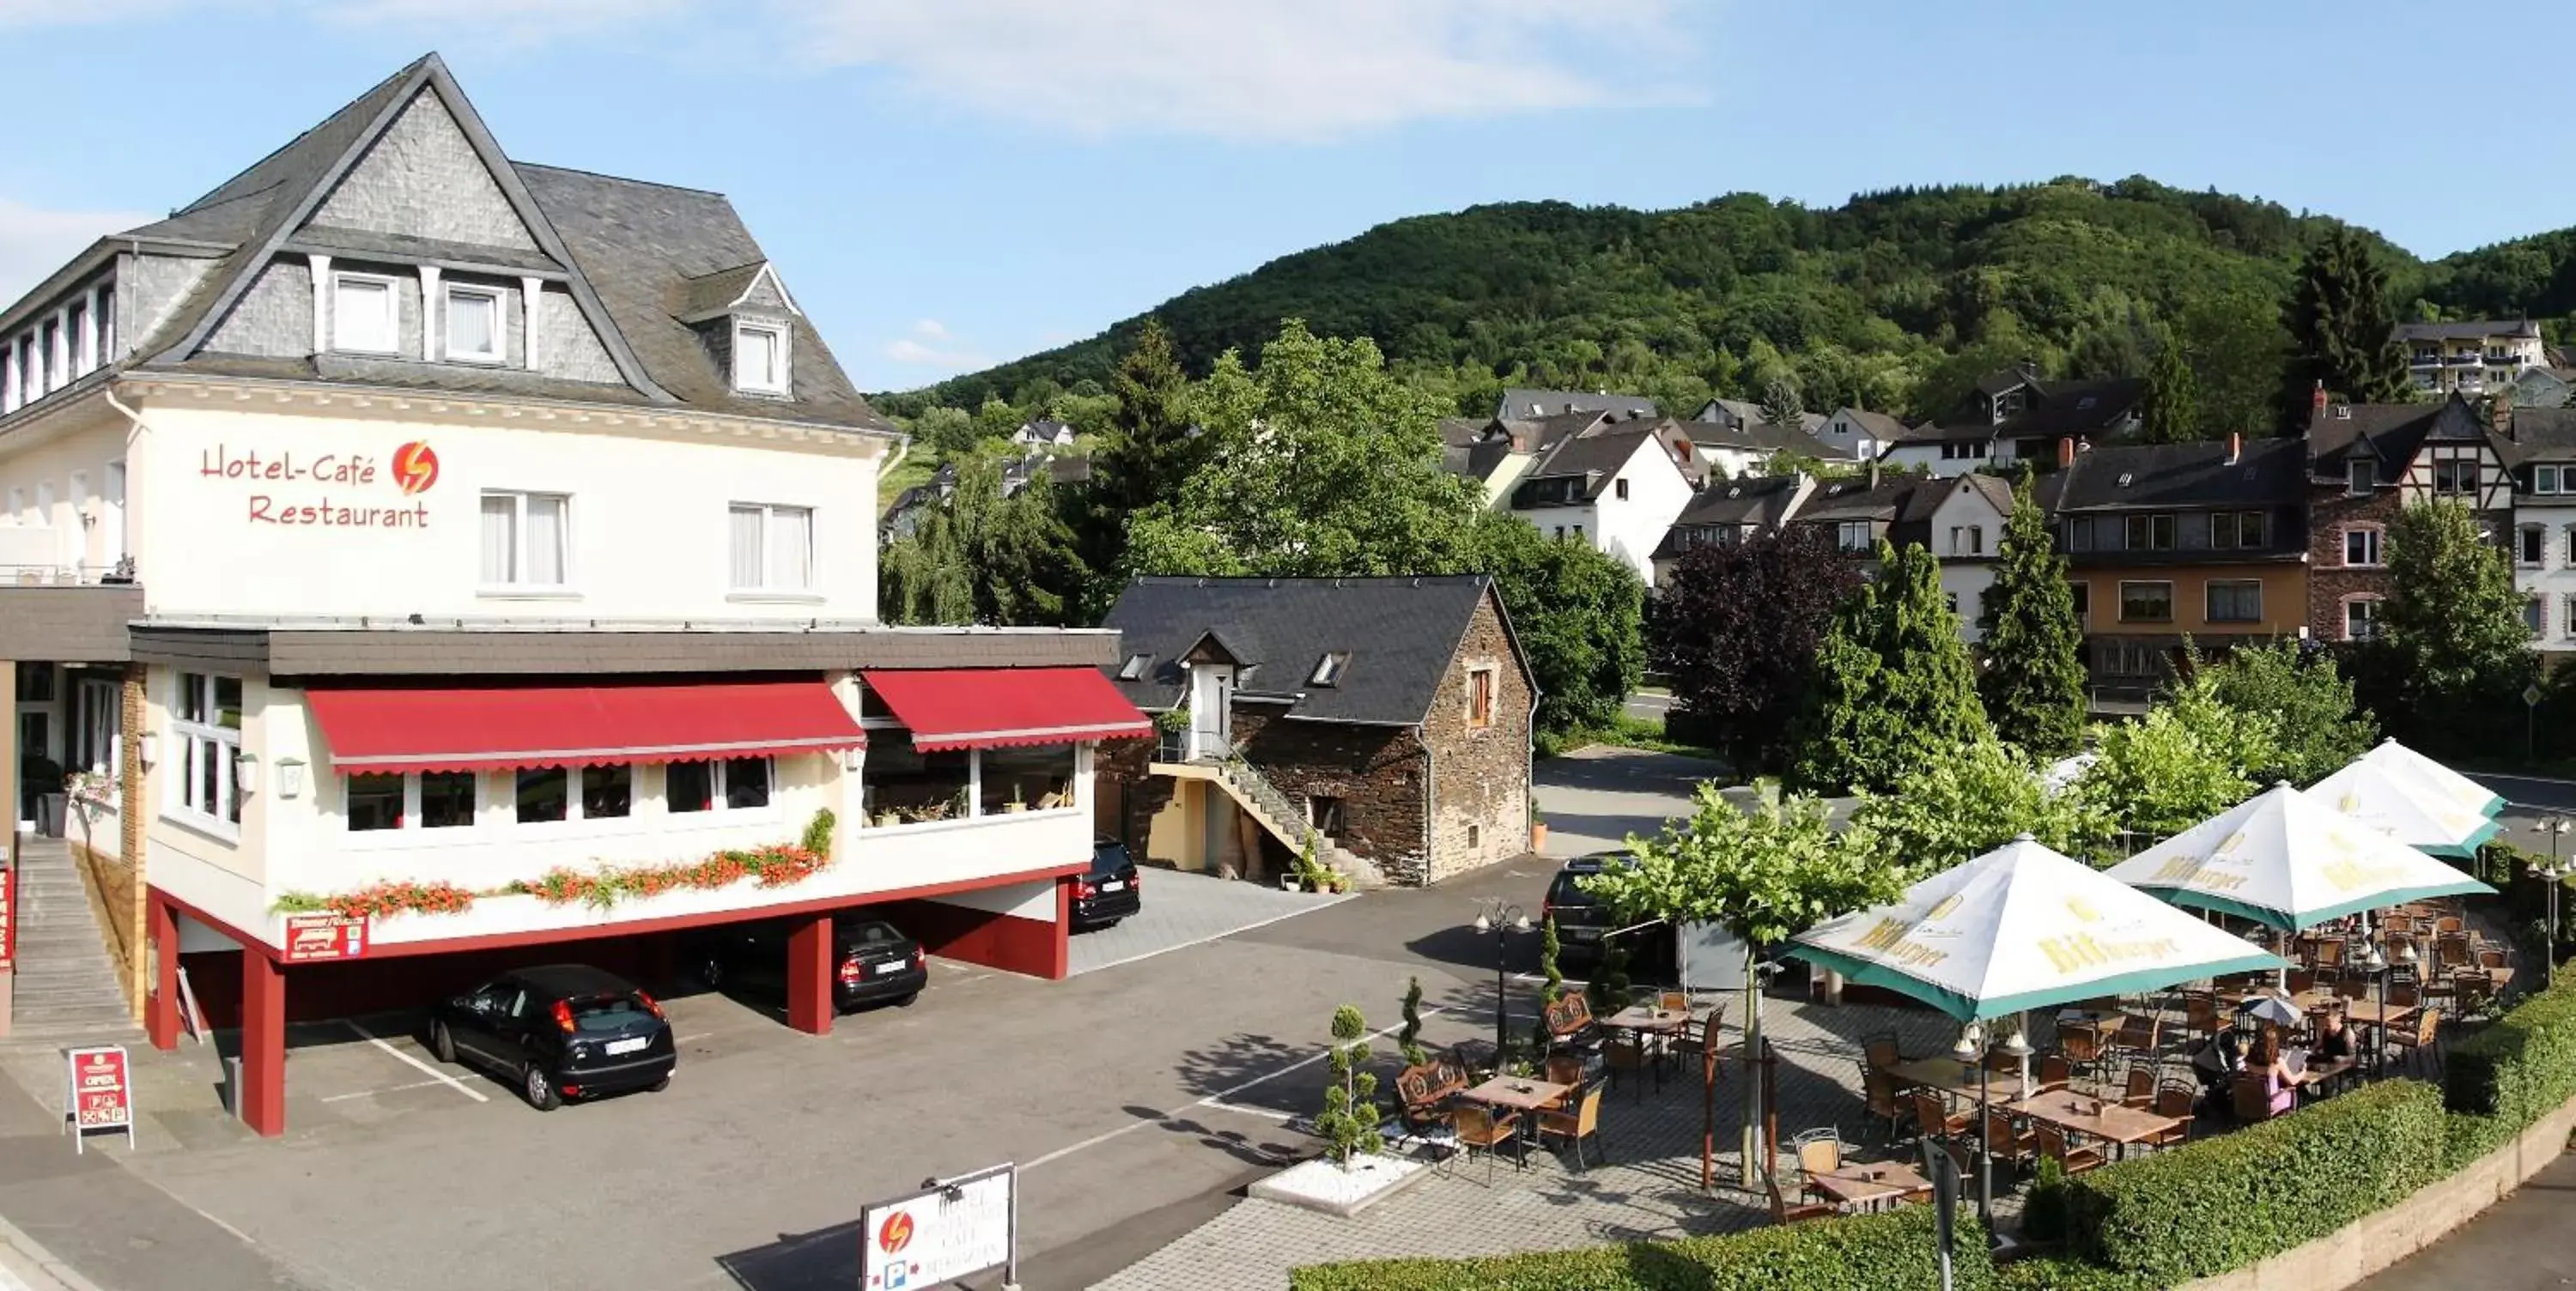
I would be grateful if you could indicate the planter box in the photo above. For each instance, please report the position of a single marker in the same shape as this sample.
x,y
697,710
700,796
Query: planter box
x,y
1321,1185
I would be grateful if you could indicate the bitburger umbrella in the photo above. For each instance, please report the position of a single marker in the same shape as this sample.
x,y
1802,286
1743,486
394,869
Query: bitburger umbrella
x,y
2443,781
2407,809
2288,860
2022,927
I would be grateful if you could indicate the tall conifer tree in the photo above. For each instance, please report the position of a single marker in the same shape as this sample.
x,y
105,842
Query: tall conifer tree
x,y
1894,690
2033,685
2341,330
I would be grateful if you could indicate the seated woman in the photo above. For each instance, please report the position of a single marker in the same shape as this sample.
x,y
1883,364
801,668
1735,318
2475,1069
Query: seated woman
x,y
2280,1085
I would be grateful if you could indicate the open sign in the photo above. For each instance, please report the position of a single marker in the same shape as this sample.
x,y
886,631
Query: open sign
x,y
98,1093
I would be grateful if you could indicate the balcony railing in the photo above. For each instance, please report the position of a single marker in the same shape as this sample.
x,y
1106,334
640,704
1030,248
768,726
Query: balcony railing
x,y
2468,360
2425,358
67,575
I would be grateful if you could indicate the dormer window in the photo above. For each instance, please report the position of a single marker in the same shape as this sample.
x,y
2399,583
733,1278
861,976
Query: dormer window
x,y
1328,670
1134,668
2360,476
759,358
362,315
473,324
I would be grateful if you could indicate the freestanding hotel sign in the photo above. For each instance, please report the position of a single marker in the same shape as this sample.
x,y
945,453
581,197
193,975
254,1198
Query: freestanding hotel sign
x,y
952,1229
98,1093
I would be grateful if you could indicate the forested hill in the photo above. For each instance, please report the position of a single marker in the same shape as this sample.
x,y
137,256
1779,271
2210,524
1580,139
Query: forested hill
x,y
1894,300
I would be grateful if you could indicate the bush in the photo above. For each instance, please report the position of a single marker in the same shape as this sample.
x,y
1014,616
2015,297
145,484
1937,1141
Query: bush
x,y
2518,1069
1893,1252
2051,1273
2224,1203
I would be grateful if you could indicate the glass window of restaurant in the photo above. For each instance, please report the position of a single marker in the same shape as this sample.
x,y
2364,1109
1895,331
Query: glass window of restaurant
x,y
1029,777
912,785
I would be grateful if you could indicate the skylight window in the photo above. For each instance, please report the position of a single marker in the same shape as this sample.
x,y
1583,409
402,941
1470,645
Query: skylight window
x,y
1134,668
1328,670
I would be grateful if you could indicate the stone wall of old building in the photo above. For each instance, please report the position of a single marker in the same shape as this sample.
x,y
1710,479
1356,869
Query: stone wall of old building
x,y
1119,768
1375,772
1481,793
2331,512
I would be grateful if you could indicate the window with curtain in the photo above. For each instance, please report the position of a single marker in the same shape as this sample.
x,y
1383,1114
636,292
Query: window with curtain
x,y
527,540
759,359
771,548
474,324
206,733
362,315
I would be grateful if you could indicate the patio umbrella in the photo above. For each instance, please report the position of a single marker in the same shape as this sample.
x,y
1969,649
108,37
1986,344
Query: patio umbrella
x,y
2018,928
2272,1009
2408,764
2406,809
2288,860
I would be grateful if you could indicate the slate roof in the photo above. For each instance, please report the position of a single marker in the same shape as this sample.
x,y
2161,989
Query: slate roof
x,y
1400,634
1516,403
1835,501
2392,432
1758,501
2121,477
1763,436
1877,425
1601,453
2056,408
2475,330
1459,432
637,257
1739,410
2539,435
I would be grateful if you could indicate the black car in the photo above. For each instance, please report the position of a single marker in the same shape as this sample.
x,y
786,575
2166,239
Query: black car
x,y
560,1031
1110,891
1582,921
872,961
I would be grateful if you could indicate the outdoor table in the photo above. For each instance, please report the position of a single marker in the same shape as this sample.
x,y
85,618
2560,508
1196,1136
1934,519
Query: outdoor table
x,y
2309,1074
2099,1118
2379,1014
1948,1075
1868,1183
1517,1093
1649,1020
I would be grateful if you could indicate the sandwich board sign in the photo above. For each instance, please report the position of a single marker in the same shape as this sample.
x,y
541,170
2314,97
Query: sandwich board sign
x,y
951,1229
98,1094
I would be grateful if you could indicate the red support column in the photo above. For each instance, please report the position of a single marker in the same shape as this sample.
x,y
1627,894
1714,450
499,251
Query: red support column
x,y
809,975
263,1044
161,1007
1061,964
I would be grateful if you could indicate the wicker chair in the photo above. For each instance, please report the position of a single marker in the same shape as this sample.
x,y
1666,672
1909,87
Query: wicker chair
x,y
1878,1097
1580,1122
2073,1160
1476,1128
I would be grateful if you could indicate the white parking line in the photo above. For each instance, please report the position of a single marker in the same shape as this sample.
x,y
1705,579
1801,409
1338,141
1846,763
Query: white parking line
x,y
1266,1113
371,1093
1213,1100
433,1073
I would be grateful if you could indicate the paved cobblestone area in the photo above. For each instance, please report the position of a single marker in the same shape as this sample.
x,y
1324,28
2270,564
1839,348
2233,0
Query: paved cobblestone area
x,y
1185,909
1648,1189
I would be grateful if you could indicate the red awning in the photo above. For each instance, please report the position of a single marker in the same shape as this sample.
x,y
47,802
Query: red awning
x,y
962,708
505,728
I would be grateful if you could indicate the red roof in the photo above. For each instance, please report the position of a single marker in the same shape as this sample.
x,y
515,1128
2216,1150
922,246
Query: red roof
x,y
506,728
959,708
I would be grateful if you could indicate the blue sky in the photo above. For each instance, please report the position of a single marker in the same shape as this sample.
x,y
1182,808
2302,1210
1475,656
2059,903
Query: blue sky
x,y
948,183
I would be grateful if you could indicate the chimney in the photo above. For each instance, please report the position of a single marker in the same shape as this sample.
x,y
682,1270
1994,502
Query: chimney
x,y
2317,403
2235,446
2066,452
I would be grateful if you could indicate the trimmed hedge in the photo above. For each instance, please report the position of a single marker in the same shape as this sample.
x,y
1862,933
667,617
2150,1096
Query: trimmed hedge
x,y
2053,1273
1886,1252
2522,1066
2223,1203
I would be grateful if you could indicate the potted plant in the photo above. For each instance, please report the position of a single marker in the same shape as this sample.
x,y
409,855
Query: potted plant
x,y
1017,803
1538,829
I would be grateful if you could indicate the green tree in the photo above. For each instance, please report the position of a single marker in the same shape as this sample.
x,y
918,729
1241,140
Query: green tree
x,y
924,579
1551,986
2316,727
949,431
2453,620
1763,877
981,557
2172,413
1349,1121
2033,684
1894,690
1577,612
1408,1041
996,419
1151,450
1781,403
1324,464
2342,334
2186,761
1980,798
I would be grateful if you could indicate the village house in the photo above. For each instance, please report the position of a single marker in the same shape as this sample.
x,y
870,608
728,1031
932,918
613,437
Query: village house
x,y
1615,485
2017,416
1387,720
1729,513
2366,462
2538,448
2470,358
399,529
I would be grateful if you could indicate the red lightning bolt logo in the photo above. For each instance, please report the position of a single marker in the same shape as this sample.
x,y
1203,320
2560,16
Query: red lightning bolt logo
x,y
415,467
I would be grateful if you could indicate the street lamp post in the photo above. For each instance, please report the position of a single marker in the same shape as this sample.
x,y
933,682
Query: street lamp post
x,y
2557,827
2376,965
1502,919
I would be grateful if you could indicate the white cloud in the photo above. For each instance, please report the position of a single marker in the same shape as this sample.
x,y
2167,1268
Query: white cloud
x,y
1249,69
912,353
931,327
35,242
514,22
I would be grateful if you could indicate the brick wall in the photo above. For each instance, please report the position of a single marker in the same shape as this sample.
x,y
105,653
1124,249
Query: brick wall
x,y
2330,509
1377,772
1141,796
1481,803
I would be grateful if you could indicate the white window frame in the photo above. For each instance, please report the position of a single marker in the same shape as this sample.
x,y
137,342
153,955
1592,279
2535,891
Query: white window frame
x,y
412,824
2378,556
392,288
499,353
769,585
190,741
2209,599
2372,618
2544,479
520,584
782,379
98,725
2567,615
716,789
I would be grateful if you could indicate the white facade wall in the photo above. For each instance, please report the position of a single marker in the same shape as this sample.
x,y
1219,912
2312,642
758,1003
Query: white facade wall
x,y
1630,528
71,461
1966,530
2553,580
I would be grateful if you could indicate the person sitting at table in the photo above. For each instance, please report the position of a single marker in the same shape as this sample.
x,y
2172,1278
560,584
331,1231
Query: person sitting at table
x,y
2280,1084
2334,1040
2218,1060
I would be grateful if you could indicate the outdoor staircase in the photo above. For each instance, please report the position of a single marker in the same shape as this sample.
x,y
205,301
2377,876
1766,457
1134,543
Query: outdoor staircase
x,y
1274,811
65,987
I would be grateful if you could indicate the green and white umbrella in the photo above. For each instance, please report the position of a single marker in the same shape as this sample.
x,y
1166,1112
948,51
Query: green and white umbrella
x,y
2406,809
2291,861
2022,927
2450,785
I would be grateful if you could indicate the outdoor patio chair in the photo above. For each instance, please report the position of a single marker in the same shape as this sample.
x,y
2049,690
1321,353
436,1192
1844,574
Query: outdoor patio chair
x,y
1625,1054
1565,1069
1673,1001
2329,952
1579,1122
2472,990
2176,1100
2141,1089
2451,950
2140,1033
2422,1043
1476,1128
2492,957
2248,1099
2301,981
1932,1116
2200,1014
1878,1097
2052,1072
1881,1049
1693,1047
1819,1152
2072,1160
2017,1149
2082,1048
2449,923
1784,1213
1569,1020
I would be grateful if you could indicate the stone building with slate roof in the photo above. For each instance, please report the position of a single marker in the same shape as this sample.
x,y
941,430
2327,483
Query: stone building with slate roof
x,y
2367,462
401,513
1388,718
